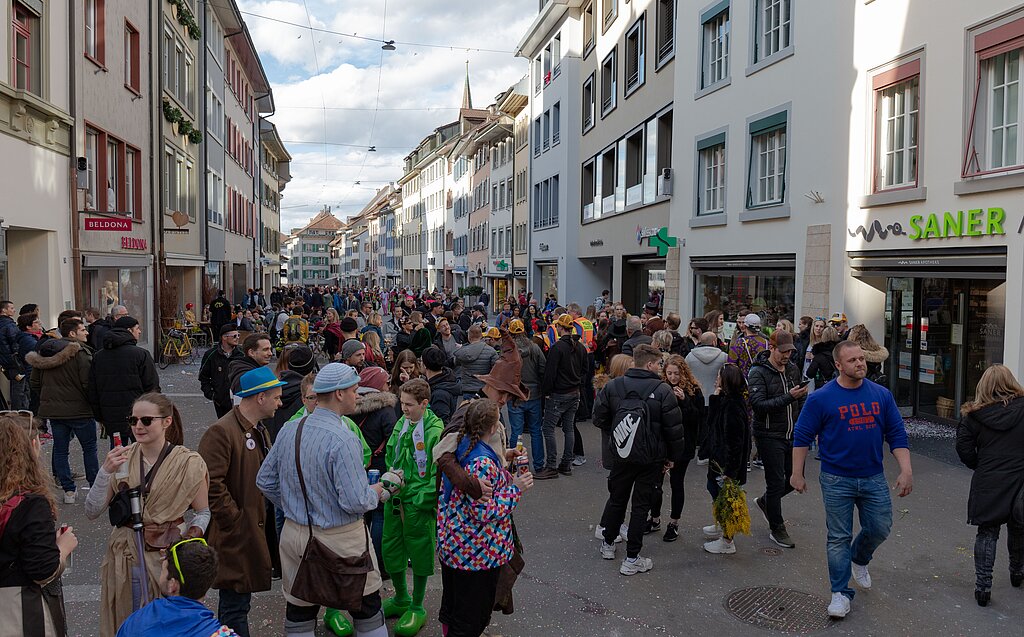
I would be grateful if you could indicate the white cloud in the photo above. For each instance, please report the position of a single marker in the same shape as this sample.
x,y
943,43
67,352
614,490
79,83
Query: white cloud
x,y
411,78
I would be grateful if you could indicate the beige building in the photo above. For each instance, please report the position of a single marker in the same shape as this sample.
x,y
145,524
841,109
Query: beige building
x,y
519,108
37,146
626,84
113,239
181,254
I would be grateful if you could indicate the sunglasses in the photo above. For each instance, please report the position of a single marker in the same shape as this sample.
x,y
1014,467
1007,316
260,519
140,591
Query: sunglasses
x,y
145,420
173,551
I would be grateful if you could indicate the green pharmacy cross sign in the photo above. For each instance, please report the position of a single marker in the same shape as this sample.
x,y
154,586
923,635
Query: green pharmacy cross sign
x,y
662,242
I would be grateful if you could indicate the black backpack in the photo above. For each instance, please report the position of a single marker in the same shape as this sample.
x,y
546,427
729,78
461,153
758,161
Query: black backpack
x,y
632,439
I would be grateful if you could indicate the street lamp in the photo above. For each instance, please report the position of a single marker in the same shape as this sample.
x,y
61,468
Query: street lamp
x,y
389,45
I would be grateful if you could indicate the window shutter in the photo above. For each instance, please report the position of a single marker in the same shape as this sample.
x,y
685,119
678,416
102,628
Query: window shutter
x,y
668,22
709,142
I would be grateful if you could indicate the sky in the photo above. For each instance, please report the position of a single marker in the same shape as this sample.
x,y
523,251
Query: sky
x,y
350,93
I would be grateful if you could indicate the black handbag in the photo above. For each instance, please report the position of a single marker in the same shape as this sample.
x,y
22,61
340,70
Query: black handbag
x,y
324,577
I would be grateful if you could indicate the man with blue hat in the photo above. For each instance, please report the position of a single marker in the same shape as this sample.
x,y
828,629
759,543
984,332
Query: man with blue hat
x,y
234,447
339,494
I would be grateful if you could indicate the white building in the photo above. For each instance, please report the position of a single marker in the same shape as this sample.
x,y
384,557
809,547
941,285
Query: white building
x,y
308,253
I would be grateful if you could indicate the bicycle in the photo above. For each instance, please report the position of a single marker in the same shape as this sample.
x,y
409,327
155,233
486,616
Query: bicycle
x,y
177,347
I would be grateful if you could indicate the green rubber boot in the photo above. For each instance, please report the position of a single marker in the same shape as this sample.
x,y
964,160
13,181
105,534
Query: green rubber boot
x,y
338,623
395,606
411,622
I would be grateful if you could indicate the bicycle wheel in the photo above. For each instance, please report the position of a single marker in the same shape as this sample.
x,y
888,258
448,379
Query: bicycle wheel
x,y
165,357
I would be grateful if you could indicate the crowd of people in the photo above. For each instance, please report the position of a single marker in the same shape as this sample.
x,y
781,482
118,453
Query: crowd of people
x,y
390,435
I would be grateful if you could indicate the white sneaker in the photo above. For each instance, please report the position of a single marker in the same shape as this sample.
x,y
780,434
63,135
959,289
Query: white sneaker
x,y
599,533
623,533
701,463
721,546
579,461
639,565
861,575
607,551
69,497
712,531
840,606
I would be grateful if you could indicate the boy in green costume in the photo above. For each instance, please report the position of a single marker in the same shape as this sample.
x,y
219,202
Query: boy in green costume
x,y
410,518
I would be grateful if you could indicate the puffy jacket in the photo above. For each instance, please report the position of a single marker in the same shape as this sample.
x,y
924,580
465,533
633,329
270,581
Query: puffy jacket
x,y
693,412
666,419
27,342
775,409
445,394
97,331
705,362
534,362
474,359
565,367
637,339
9,347
60,373
121,372
213,377
375,416
823,366
991,441
728,438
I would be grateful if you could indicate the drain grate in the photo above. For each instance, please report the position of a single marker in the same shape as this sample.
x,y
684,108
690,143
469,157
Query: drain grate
x,y
771,550
781,609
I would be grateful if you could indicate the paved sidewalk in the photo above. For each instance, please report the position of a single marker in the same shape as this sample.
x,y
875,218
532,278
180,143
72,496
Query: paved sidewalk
x,y
923,575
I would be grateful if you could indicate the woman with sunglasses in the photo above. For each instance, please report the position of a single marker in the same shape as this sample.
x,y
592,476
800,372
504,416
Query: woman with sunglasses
x,y
176,480
32,552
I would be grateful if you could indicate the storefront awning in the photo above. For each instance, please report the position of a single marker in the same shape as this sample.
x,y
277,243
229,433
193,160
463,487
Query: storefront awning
x,y
184,261
745,262
117,260
953,263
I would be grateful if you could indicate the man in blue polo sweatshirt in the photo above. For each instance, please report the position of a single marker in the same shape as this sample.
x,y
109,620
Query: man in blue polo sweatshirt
x,y
851,418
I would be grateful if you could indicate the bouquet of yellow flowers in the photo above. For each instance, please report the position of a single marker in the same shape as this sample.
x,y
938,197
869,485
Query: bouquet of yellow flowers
x,y
730,509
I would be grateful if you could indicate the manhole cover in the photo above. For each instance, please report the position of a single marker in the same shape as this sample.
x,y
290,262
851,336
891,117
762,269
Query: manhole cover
x,y
781,609
768,550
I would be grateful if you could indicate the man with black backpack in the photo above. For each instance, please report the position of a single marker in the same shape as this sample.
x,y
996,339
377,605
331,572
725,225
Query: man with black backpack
x,y
645,426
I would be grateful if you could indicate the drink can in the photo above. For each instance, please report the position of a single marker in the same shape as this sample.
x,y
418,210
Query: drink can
x,y
117,439
70,561
373,475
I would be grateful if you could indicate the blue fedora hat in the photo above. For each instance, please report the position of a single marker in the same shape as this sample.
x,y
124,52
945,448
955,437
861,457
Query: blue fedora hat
x,y
257,380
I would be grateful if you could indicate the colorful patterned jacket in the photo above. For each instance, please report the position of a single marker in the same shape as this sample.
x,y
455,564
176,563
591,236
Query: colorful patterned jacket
x,y
473,535
744,349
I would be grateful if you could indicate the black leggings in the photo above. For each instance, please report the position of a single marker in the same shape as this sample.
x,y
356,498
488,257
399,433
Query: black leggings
x,y
676,479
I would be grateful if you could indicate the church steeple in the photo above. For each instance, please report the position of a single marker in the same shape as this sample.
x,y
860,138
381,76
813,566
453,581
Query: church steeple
x,y
467,98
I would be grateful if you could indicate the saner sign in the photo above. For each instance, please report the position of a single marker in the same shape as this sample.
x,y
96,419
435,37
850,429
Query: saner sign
x,y
978,222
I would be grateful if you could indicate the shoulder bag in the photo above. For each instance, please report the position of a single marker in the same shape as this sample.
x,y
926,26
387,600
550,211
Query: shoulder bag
x,y
324,577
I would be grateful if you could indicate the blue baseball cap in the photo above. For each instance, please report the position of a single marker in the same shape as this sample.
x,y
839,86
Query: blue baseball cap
x,y
335,376
256,381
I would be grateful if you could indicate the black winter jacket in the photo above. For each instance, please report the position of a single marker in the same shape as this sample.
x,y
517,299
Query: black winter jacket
x,y
565,366
666,419
98,331
991,441
637,339
291,403
213,377
121,372
823,366
693,414
728,439
445,394
375,415
775,410
9,347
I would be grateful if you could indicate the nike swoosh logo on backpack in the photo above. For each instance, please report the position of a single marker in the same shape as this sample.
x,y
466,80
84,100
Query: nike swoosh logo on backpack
x,y
625,433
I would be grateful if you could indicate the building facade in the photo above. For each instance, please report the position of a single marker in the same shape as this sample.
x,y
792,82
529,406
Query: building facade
x,y
519,108
308,254
275,173
113,235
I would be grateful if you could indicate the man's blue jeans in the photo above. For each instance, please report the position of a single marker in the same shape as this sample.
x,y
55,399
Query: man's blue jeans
x,y
63,431
529,413
560,411
871,497
20,394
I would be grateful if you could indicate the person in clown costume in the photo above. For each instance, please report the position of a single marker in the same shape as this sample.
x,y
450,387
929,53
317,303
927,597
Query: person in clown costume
x,y
410,518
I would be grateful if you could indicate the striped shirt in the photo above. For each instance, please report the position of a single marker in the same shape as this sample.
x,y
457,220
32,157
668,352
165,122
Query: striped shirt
x,y
332,465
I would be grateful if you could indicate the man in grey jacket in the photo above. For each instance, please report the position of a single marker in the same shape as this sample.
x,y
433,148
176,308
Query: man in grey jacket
x,y
705,361
475,359
526,415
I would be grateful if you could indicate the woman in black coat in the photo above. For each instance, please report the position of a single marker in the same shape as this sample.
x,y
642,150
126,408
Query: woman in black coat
x,y
728,442
990,440
823,365
691,402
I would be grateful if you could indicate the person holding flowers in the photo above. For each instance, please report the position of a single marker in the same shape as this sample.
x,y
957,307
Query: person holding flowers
x,y
728,444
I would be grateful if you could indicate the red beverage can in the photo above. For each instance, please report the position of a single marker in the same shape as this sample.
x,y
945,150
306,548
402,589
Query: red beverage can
x,y
117,439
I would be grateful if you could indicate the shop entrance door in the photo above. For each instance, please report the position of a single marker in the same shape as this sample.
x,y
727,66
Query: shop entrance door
x,y
941,333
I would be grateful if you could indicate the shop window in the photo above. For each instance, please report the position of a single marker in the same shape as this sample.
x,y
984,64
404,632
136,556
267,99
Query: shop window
x,y
131,58
95,19
666,36
770,295
897,100
635,45
589,107
772,27
715,45
26,58
711,175
766,180
608,80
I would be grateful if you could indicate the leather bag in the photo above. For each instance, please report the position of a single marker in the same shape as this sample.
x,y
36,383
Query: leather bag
x,y
324,577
